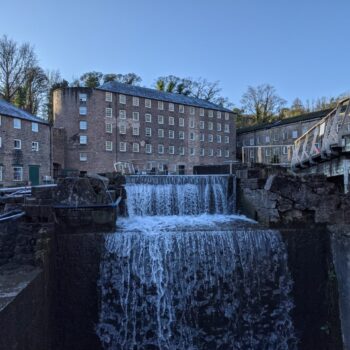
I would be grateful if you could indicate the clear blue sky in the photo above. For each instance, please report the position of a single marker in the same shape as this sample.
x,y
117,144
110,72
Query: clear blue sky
x,y
301,47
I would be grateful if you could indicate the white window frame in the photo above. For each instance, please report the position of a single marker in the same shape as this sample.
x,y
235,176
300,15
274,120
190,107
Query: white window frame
x,y
192,123
160,149
82,123
202,124
82,138
171,134
171,107
82,110
109,146
20,169
218,115
122,114
210,125
122,146
227,153
135,101
109,128
160,105
192,136
227,116
148,103
218,138
161,133
82,97
135,116
294,134
181,150
35,127
192,110
109,112
227,128
122,99
136,147
181,122
148,148
148,132
201,112
202,137
19,142
122,129
171,121
17,124
136,131
148,118
35,146
181,109
218,126
1,173
210,138
171,149
83,156
181,135
210,113
160,119
108,96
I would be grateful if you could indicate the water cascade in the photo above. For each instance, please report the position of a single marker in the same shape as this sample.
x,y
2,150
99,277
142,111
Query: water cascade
x,y
182,274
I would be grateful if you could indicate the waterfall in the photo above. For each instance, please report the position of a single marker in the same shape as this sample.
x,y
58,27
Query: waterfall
x,y
176,277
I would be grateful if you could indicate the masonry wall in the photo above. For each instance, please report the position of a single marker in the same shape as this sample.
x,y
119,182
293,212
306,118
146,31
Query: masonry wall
x,y
66,115
10,157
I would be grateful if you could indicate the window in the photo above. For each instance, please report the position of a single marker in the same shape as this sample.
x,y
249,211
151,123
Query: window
x,y
122,114
83,139
135,101
0,142
182,151
17,173
227,116
83,157
210,125
160,149
122,99
160,119
0,119
251,141
171,107
227,153
218,114
201,124
109,146
267,152
295,134
210,138
171,121
192,136
285,150
267,139
181,135
218,138
136,147
202,137
148,148
109,128
109,112
284,135
83,110
192,151
171,134
218,126
135,131
275,136
17,144
192,110
122,129
35,127
148,118
148,103
210,114
135,116
227,127
202,152
17,123
1,172
227,139
82,98
148,132
83,125
171,149
201,112
210,152
181,109
160,132
160,105
192,123
122,146
181,122
109,96
218,152
35,146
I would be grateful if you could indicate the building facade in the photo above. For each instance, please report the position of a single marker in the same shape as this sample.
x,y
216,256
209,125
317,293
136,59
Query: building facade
x,y
153,130
25,147
273,143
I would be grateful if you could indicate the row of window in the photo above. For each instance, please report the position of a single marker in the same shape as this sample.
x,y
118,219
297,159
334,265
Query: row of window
x,y
17,144
161,150
17,173
275,151
251,141
17,124
148,104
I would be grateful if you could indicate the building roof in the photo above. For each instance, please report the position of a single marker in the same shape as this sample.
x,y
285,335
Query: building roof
x,y
138,91
296,119
10,110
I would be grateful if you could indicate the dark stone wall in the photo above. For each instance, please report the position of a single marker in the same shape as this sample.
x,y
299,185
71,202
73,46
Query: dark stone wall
x,y
76,295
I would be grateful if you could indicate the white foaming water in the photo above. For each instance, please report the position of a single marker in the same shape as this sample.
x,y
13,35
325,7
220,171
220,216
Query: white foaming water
x,y
183,282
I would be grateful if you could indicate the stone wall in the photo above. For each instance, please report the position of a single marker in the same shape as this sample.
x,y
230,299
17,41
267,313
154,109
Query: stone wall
x,y
302,209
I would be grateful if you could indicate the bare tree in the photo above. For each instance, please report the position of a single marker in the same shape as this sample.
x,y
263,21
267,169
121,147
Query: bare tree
x,y
15,61
263,102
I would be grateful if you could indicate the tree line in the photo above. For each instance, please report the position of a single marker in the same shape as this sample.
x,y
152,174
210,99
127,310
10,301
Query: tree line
x,y
29,86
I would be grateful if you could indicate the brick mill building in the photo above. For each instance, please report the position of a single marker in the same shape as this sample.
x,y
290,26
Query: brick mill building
x,y
25,147
95,128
